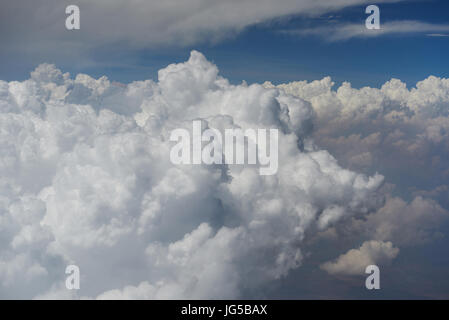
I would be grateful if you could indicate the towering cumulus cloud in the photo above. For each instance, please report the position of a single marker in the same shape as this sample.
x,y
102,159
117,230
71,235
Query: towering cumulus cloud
x,y
86,179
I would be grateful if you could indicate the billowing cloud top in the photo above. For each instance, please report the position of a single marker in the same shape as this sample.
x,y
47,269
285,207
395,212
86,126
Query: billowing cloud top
x,y
86,179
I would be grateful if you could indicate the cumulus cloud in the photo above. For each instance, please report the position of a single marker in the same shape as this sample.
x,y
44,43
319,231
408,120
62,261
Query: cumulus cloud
x,y
355,261
398,131
395,130
86,179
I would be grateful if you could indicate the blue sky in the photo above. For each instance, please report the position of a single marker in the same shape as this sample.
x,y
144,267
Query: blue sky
x,y
261,52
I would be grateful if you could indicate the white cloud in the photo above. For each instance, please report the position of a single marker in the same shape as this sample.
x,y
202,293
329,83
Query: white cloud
x,y
393,129
355,261
437,35
86,179
398,131
145,24
341,32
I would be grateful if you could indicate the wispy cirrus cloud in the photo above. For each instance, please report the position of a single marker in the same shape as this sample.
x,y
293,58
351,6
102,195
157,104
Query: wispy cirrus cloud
x,y
437,35
346,31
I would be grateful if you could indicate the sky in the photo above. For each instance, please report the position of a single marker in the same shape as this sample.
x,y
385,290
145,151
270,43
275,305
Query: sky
x,y
86,177
410,56
363,62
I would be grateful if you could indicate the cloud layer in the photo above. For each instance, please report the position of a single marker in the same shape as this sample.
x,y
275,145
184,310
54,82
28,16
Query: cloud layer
x,y
400,132
86,179
144,24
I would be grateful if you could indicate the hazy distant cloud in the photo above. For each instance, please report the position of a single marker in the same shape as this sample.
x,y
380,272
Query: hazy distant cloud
x,y
355,261
398,131
406,224
395,129
341,32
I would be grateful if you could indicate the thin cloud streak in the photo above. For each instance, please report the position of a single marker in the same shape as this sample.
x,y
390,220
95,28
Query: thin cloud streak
x,y
343,32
